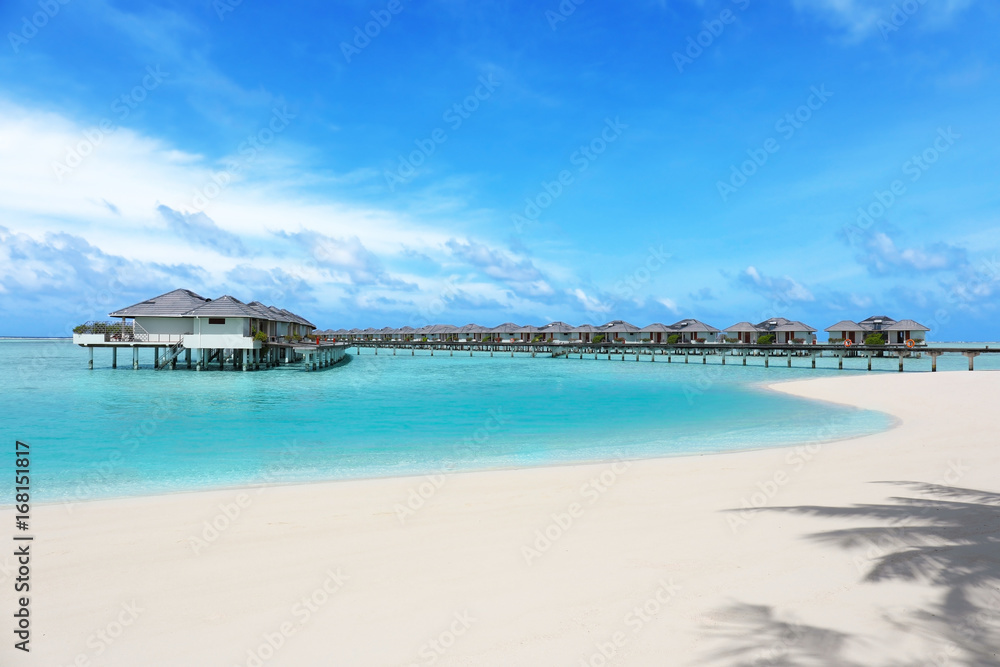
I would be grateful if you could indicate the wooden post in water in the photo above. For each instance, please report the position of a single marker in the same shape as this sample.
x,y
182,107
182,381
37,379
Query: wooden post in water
x,y
114,357
767,359
900,361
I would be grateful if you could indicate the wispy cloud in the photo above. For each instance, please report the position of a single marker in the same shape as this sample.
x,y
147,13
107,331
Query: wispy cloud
x,y
882,256
199,229
781,290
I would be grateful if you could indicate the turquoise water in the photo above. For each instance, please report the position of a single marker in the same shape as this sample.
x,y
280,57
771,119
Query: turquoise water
x,y
104,432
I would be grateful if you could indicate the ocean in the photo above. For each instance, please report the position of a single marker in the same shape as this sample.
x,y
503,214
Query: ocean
x,y
117,432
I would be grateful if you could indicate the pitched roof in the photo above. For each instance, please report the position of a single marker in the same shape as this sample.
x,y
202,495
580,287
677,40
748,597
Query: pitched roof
x,y
585,328
224,306
528,328
906,325
557,327
618,325
506,327
845,325
279,315
740,327
782,324
877,319
472,328
693,326
171,304
655,327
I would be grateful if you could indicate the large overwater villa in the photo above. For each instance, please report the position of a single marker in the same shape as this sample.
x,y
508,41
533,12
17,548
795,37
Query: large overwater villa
x,y
223,330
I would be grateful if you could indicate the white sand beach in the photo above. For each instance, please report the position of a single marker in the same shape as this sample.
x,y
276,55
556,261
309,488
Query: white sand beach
x,y
645,563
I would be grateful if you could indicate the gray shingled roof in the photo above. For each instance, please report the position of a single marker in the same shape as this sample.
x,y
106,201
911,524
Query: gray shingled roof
x,y
618,325
224,306
693,326
171,304
557,327
906,325
740,327
656,327
506,327
845,325
585,328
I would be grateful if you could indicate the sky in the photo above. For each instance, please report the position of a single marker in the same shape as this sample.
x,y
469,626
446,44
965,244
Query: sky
x,y
398,163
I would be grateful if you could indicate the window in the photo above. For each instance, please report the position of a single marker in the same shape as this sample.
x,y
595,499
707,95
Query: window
x,y
216,320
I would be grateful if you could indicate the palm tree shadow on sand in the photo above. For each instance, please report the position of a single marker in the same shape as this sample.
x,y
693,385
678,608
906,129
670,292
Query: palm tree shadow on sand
x,y
946,536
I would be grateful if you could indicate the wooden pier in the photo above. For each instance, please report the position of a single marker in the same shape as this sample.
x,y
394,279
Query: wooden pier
x,y
667,353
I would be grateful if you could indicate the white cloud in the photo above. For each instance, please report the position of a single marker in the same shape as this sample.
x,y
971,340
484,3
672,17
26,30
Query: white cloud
x,y
861,18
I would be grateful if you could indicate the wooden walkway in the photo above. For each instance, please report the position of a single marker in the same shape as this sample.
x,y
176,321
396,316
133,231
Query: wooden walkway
x,y
667,352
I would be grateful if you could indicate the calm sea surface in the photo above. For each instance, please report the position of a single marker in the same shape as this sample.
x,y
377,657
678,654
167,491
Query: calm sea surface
x,y
104,432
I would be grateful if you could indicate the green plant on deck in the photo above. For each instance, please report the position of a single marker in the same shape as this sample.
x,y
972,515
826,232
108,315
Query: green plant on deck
x,y
673,339
766,339
798,341
260,335
647,340
730,339
599,338
836,341
537,339
874,339
700,340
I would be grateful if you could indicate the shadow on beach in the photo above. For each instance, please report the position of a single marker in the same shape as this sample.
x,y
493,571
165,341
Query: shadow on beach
x,y
947,537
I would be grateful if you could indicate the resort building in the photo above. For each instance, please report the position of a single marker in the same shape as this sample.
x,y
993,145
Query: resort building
x,y
618,330
504,332
181,321
893,331
559,332
785,331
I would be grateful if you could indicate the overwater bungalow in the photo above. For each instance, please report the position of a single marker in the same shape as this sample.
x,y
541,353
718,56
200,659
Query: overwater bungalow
x,y
584,332
619,330
893,331
656,332
528,332
743,332
504,332
558,332
692,331
181,321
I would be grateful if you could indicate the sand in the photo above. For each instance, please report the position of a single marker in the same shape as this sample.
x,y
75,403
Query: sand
x,y
644,563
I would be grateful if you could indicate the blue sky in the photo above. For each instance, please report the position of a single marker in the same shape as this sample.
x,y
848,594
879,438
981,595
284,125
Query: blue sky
x,y
487,162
